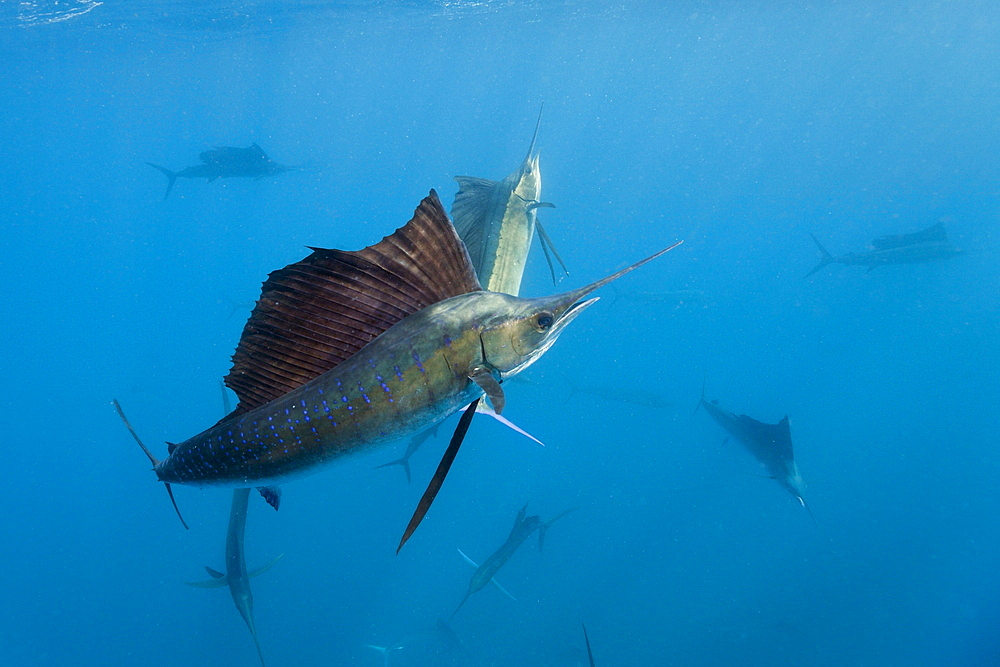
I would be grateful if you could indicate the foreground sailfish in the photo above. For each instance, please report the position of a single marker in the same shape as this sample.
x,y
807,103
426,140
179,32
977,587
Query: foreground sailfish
x,y
346,351
770,444
497,219
522,530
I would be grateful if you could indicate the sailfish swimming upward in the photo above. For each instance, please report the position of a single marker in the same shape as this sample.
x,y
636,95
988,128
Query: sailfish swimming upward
x,y
497,220
346,351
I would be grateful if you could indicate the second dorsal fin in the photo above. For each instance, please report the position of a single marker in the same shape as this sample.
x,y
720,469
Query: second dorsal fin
x,y
314,314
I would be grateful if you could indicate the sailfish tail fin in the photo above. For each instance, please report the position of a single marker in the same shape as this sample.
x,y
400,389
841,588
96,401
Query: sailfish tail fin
x,y
827,258
151,458
548,524
404,463
171,177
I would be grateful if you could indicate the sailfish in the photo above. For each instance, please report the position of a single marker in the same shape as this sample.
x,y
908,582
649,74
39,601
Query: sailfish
x,y
524,527
347,351
497,220
236,577
925,245
226,162
770,444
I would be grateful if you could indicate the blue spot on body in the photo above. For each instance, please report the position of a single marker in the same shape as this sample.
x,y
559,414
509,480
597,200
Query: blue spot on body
x,y
399,373
420,366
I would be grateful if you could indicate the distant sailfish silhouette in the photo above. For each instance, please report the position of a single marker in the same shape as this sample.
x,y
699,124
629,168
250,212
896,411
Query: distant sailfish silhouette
x,y
926,245
226,162
771,444
522,530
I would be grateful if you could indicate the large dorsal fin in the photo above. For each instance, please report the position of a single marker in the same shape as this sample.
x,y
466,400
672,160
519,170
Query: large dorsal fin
x,y
314,314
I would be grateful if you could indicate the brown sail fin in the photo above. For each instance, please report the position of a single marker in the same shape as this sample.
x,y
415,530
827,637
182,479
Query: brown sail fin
x,y
314,314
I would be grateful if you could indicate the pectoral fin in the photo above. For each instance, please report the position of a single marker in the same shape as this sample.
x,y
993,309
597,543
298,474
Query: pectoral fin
x,y
469,560
502,589
491,388
218,580
264,568
487,410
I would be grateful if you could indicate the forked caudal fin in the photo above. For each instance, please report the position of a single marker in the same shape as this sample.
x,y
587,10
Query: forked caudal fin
x,y
402,462
150,456
171,177
826,259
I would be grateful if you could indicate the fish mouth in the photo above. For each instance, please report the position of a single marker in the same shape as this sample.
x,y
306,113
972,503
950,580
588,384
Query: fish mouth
x,y
571,314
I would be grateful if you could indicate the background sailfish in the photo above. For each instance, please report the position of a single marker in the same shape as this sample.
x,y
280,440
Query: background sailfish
x,y
523,528
770,444
236,576
497,219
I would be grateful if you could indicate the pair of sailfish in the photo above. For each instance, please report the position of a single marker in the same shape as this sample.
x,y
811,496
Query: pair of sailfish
x,y
348,350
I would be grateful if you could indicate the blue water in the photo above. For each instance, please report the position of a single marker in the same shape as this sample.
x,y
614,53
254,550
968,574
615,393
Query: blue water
x,y
737,129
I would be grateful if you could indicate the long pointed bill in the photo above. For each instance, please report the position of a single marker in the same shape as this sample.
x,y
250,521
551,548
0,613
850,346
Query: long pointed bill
x,y
149,455
578,294
566,306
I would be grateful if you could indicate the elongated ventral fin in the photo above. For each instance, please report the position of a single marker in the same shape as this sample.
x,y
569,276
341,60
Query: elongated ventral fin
x,y
215,574
149,455
546,241
314,314
491,388
442,471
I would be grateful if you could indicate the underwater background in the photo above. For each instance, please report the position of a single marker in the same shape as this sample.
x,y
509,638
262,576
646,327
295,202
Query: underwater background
x,y
737,127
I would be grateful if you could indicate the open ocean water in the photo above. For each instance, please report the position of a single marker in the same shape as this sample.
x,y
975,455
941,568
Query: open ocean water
x,y
740,128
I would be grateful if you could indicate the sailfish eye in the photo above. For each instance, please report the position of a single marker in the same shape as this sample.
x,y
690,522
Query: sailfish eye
x,y
544,320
